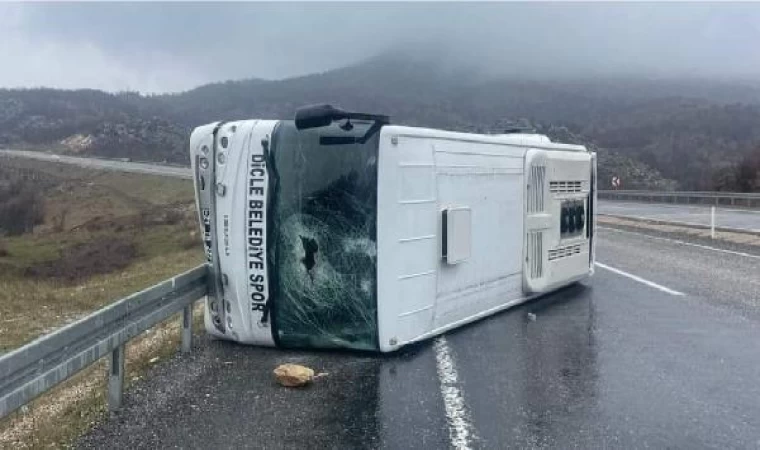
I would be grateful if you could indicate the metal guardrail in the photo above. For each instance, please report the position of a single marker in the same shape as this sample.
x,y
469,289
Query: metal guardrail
x,y
748,200
35,368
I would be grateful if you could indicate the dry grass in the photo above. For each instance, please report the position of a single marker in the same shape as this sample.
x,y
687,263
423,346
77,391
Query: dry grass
x,y
30,307
123,206
84,194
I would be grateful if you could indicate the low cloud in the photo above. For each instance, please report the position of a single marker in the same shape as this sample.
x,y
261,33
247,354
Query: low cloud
x,y
155,47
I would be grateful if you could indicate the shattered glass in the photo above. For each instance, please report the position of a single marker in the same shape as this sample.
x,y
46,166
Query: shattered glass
x,y
323,223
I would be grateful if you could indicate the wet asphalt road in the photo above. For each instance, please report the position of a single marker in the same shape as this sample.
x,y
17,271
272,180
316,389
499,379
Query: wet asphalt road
x,y
614,362
103,164
689,214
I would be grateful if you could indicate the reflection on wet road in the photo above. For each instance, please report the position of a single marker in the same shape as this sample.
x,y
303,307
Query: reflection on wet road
x,y
612,362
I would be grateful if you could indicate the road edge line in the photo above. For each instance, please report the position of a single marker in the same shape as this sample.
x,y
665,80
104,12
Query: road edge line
x,y
676,241
640,280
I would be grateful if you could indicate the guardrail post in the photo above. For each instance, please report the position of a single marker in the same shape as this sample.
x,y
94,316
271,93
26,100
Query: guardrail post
x,y
187,329
116,379
712,222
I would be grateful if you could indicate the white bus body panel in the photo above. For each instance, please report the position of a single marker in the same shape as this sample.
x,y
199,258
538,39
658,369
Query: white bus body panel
x,y
421,172
235,155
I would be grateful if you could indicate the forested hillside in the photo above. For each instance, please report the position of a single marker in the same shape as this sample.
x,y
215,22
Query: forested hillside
x,y
659,134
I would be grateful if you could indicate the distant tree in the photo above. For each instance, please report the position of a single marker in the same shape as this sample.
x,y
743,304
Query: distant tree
x,y
22,206
748,172
59,221
724,179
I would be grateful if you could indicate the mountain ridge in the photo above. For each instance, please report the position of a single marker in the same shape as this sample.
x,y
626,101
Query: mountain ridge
x,y
652,134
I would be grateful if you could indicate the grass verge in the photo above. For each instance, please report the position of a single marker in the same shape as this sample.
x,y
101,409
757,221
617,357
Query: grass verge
x,y
682,232
86,211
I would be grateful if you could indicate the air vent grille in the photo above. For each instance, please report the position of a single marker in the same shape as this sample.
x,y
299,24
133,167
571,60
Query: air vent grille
x,y
535,254
536,189
565,187
564,252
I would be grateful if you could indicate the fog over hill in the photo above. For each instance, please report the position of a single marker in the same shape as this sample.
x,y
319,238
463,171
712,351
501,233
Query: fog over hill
x,y
651,129
667,93
172,47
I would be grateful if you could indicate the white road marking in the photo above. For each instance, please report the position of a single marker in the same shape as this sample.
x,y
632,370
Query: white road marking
x,y
461,431
690,244
663,219
743,211
640,280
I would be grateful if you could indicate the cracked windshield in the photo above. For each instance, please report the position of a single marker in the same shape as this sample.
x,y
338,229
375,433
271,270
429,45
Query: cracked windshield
x,y
324,250
381,225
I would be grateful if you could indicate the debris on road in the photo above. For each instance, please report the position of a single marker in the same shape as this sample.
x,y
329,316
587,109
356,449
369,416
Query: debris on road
x,y
531,317
293,375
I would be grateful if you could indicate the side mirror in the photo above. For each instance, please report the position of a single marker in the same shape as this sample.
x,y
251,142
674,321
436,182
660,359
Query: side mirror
x,y
316,116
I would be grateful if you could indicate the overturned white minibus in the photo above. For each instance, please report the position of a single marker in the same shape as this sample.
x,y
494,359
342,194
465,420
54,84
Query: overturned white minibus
x,y
339,230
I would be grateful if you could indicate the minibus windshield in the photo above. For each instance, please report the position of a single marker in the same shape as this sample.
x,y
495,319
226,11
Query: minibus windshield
x,y
322,214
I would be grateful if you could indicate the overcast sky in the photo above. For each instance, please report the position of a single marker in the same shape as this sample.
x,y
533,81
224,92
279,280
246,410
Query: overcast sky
x,y
176,46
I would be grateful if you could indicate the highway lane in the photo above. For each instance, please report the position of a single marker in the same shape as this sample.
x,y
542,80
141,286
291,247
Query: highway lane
x,y
620,361
688,214
104,164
